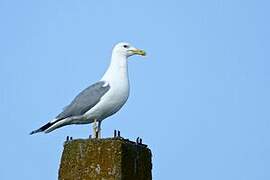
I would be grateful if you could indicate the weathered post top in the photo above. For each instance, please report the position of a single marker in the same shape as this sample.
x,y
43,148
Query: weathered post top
x,y
105,159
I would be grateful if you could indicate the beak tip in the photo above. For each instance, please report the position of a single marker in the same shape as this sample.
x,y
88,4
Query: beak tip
x,y
142,53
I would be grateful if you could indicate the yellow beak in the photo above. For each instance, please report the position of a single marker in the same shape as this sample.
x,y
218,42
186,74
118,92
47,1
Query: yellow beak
x,y
139,52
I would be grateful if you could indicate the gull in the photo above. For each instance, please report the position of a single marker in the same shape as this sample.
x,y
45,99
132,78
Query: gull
x,y
101,99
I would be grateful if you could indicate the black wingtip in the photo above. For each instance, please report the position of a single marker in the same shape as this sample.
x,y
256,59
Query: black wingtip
x,y
33,132
43,128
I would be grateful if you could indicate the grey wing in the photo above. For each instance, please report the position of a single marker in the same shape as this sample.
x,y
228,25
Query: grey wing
x,y
84,101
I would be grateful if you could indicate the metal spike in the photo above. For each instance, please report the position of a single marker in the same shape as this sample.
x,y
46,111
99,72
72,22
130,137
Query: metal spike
x,y
137,140
114,133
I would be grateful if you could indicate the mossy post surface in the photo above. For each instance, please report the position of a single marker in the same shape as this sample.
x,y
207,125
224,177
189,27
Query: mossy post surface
x,y
105,159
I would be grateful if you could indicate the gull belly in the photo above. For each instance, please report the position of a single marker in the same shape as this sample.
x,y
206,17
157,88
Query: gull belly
x,y
110,103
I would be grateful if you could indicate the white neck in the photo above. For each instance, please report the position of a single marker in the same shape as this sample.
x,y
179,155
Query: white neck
x,y
118,69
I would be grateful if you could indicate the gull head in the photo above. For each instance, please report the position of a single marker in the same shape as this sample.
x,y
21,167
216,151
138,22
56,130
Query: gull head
x,y
125,49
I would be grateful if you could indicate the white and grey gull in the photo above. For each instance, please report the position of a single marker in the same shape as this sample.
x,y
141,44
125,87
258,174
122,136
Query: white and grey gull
x,y
103,98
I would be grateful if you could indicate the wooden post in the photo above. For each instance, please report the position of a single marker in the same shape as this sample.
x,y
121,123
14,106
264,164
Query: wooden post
x,y
105,159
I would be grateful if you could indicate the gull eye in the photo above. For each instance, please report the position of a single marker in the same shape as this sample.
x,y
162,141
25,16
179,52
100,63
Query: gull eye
x,y
126,46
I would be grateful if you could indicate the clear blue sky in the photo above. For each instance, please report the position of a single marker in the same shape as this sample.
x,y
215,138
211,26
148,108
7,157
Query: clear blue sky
x,y
200,99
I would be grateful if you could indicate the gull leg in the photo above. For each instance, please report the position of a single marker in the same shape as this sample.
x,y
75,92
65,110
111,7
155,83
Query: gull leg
x,y
95,129
99,130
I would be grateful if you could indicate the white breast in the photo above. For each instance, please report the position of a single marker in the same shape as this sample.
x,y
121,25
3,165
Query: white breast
x,y
110,103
